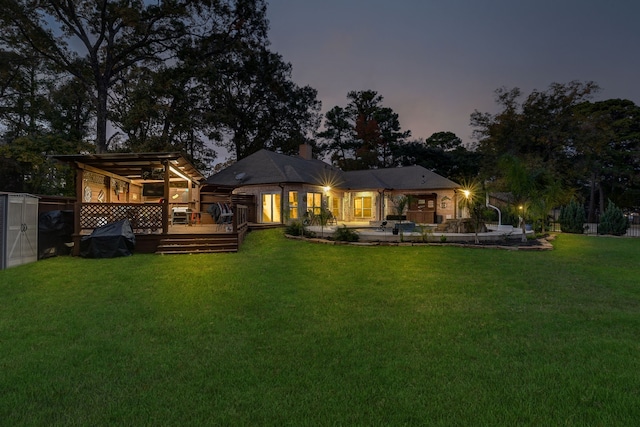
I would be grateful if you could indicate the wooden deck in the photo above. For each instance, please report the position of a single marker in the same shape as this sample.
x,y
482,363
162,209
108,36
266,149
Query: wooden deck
x,y
148,223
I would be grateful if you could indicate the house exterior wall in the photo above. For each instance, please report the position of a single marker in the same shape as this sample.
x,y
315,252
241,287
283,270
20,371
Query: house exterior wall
x,y
445,205
355,209
283,191
350,203
383,204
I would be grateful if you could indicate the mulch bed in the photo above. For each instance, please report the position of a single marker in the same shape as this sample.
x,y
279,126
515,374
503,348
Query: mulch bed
x,y
540,244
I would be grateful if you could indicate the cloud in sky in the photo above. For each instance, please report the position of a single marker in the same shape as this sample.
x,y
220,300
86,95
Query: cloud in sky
x,y
436,61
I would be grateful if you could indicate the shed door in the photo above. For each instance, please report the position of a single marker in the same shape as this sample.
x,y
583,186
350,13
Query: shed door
x,y
22,230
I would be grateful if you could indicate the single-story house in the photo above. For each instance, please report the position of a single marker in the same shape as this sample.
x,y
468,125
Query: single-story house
x,y
170,204
286,187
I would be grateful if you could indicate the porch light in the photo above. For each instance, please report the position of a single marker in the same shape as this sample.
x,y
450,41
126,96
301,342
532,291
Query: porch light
x,y
466,193
326,189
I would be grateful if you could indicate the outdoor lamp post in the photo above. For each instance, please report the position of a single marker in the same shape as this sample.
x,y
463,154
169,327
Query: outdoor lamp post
x,y
467,198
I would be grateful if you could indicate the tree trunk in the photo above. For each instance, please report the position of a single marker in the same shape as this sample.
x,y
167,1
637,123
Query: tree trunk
x,y
601,194
592,199
101,118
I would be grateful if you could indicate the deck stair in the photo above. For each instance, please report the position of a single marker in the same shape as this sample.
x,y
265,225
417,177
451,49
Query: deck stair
x,y
198,244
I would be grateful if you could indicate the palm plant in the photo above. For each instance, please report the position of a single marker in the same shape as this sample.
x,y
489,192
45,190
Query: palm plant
x,y
400,204
473,200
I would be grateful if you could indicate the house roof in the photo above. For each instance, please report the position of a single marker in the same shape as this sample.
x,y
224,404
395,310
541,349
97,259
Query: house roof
x,y
132,165
403,178
267,167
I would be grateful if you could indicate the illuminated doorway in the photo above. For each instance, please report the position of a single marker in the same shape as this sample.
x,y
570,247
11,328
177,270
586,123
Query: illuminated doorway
x,y
363,207
271,208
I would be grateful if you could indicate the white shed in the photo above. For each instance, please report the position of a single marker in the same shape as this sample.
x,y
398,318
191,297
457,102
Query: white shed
x,y
18,229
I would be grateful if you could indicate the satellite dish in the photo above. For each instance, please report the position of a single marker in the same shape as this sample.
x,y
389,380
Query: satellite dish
x,y
240,176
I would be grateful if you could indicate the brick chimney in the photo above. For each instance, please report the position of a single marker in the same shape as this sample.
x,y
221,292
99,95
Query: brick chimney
x,y
306,151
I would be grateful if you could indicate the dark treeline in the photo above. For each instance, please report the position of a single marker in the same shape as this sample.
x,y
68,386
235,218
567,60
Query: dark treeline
x,y
139,76
193,76
557,144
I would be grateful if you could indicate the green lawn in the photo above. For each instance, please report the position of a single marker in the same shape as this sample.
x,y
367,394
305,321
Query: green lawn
x,y
287,332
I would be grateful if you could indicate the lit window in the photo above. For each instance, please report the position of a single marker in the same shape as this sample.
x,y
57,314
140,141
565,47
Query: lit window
x,y
293,204
314,203
362,207
335,207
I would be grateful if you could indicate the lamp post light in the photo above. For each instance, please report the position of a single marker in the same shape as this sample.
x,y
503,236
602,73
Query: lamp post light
x,y
522,223
467,200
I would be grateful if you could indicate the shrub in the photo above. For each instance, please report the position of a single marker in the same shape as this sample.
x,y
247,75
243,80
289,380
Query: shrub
x,y
345,234
297,228
613,221
426,233
572,218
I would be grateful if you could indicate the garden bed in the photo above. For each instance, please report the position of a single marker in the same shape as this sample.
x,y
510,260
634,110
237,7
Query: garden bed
x,y
538,244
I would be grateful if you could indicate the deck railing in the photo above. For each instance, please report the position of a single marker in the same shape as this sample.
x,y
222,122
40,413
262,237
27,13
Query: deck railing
x,y
144,218
241,221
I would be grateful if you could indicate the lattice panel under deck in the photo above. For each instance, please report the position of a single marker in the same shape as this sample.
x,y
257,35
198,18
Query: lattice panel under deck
x,y
142,217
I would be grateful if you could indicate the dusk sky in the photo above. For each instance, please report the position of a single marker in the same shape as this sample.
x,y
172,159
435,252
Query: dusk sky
x,y
436,61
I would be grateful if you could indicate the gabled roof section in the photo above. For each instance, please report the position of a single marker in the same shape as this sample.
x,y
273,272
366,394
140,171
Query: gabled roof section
x,y
403,178
267,167
363,180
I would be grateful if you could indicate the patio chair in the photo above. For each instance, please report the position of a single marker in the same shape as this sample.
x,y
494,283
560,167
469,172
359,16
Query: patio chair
x,y
308,218
331,220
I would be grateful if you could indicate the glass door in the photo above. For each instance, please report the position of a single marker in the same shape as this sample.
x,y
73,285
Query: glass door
x,y
271,208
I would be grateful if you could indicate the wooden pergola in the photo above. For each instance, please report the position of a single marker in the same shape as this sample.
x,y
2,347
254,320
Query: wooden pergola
x,y
110,187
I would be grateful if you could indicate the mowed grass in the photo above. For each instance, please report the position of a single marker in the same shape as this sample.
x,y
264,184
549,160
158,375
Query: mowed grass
x,y
294,333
